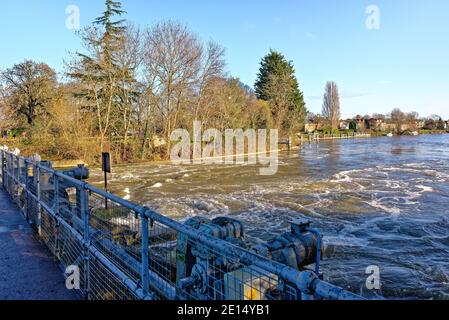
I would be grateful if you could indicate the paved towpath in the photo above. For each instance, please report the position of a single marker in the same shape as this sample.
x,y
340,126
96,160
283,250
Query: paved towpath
x,y
27,270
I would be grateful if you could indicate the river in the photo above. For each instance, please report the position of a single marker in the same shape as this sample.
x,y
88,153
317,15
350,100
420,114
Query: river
x,y
379,201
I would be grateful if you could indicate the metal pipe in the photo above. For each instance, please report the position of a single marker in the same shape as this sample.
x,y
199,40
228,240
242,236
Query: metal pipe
x,y
317,233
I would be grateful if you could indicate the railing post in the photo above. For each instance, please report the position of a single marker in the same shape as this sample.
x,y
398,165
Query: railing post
x,y
39,207
25,206
145,255
85,214
3,163
18,171
8,173
56,195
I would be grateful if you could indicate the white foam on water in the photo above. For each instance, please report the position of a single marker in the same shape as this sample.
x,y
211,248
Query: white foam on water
x,y
127,176
127,192
425,188
156,185
376,204
342,177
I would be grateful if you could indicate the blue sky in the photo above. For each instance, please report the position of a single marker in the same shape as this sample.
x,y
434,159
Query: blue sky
x,y
403,64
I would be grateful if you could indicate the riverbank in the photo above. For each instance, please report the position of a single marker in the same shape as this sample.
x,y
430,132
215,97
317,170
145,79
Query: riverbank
x,y
302,138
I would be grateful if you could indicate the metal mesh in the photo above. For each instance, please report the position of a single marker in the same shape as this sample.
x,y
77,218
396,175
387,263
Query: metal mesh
x,y
105,285
116,233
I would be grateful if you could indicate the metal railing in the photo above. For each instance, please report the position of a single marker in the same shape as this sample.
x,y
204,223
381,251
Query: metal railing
x,y
129,252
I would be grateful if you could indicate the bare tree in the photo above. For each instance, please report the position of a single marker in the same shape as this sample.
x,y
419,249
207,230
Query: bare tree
x,y
173,59
331,104
129,61
379,116
213,65
29,89
398,118
411,119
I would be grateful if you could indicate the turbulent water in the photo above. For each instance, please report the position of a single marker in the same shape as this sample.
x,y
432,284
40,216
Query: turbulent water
x,y
380,201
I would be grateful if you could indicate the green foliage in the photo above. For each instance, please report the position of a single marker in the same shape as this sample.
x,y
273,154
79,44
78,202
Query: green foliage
x,y
113,30
17,132
353,126
29,89
440,125
336,132
107,75
277,84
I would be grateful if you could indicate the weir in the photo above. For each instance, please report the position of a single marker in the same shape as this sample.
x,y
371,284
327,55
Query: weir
x,y
130,252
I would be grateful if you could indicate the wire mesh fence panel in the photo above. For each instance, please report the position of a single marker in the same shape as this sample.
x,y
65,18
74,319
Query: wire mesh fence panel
x,y
71,252
162,259
32,203
105,285
47,190
116,233
12,184
48,230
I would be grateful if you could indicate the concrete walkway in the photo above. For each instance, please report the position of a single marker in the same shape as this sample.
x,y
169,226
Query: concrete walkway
x,y
27,270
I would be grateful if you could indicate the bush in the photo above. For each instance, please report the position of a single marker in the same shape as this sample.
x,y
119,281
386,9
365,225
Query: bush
x,y
336,132
329,131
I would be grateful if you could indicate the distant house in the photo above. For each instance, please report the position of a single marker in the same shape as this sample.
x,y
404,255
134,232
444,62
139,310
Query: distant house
x,y
345,124
310,127
405,127
389,126
419,124
314,123
376,124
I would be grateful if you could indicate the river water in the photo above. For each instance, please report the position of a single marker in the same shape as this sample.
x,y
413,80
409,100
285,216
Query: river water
x,y
380,201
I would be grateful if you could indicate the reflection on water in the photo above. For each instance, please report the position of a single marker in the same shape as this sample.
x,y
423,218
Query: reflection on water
x,y
379,202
